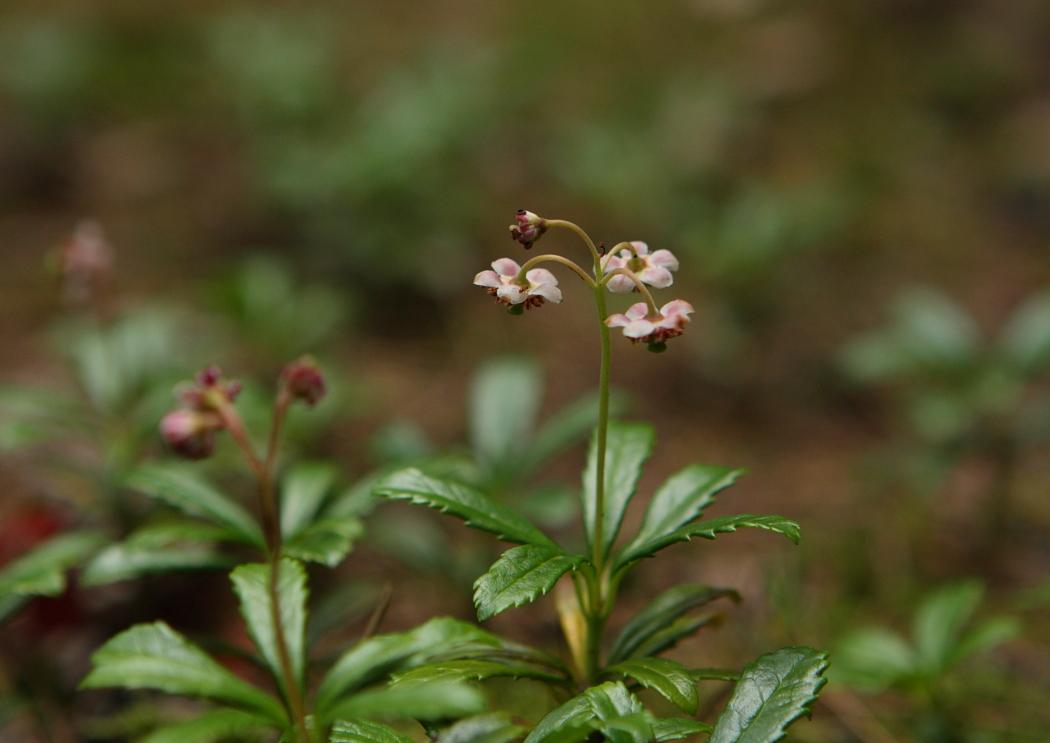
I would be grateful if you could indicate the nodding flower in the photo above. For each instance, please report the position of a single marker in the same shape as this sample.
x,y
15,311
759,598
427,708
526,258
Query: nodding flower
x,y
527,228
642,327
537,286
653,269
191,433
304,381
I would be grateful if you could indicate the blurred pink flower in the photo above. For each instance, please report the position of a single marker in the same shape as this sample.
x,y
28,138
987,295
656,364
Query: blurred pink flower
x,y
653,269
540,285
304,381
639,326
190,433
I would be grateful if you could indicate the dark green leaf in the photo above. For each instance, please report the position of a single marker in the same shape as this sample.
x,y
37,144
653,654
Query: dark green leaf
x,y
660,613
252,585
493,728
181,487
714,674
773,691
212,726
154,656
159,548
669,679
709,530
374,659
574,720
681,499
303,492
504,399
519,577
362,731
326,541
471,669
423,701
42,571
463,502
628,445
669,636
676,728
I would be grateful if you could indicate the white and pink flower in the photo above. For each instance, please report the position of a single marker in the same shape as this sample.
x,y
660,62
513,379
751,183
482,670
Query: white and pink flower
x,y
538,285
640,326
653,269
527,228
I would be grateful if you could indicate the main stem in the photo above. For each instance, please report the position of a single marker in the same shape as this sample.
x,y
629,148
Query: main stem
x,y
596,610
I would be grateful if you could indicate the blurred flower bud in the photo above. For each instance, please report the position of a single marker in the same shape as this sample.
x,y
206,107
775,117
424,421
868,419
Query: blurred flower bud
x,y
190,433
527,228
304,381
209,383
84,261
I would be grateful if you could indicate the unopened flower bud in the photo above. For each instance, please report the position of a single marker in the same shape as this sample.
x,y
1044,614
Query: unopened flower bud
x,y
304,381
84,261
190,433
527,228
208,383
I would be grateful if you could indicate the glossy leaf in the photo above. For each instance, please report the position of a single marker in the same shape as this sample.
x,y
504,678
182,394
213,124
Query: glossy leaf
x,y
504,399
519,577
424,701
302,494
710,530
154,656
669,679
660,613
327,541
212,726
574,720
159,548
461,501
475,669
363,731
251,583
669,636
374,659
676,728
492,728
42,571
628,446
773,691
181,487
681,499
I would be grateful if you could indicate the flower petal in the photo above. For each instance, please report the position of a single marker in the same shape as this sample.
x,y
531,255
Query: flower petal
x,y
639,329
640,248
511,293
637,311
677,308
487,278
620,284
656,276
541,276
665,259
617,321
548,291
506,267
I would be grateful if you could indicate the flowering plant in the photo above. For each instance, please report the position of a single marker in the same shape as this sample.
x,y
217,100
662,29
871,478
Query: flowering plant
x,y
598,683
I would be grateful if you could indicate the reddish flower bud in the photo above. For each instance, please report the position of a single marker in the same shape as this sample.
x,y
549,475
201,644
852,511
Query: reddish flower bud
x,y
207,383
84,261
527,228
190,433
304,381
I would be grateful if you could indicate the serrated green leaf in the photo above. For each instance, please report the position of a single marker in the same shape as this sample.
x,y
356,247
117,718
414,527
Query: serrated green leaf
x,y
374,659
681,499
158,548
461,501
710,530
503,402
628,446
939,622
363,731
660,613
471,669
252,585
154,656
42,570
669,636
519,577
773,691
212,726
184,489
587,711
493,728
303,492
676,728
668,678
327,541
425,701
873,659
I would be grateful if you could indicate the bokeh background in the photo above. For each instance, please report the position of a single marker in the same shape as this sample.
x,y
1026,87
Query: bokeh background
x,y
858,193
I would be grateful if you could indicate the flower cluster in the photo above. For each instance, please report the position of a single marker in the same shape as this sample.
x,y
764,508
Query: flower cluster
x,y
629,266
